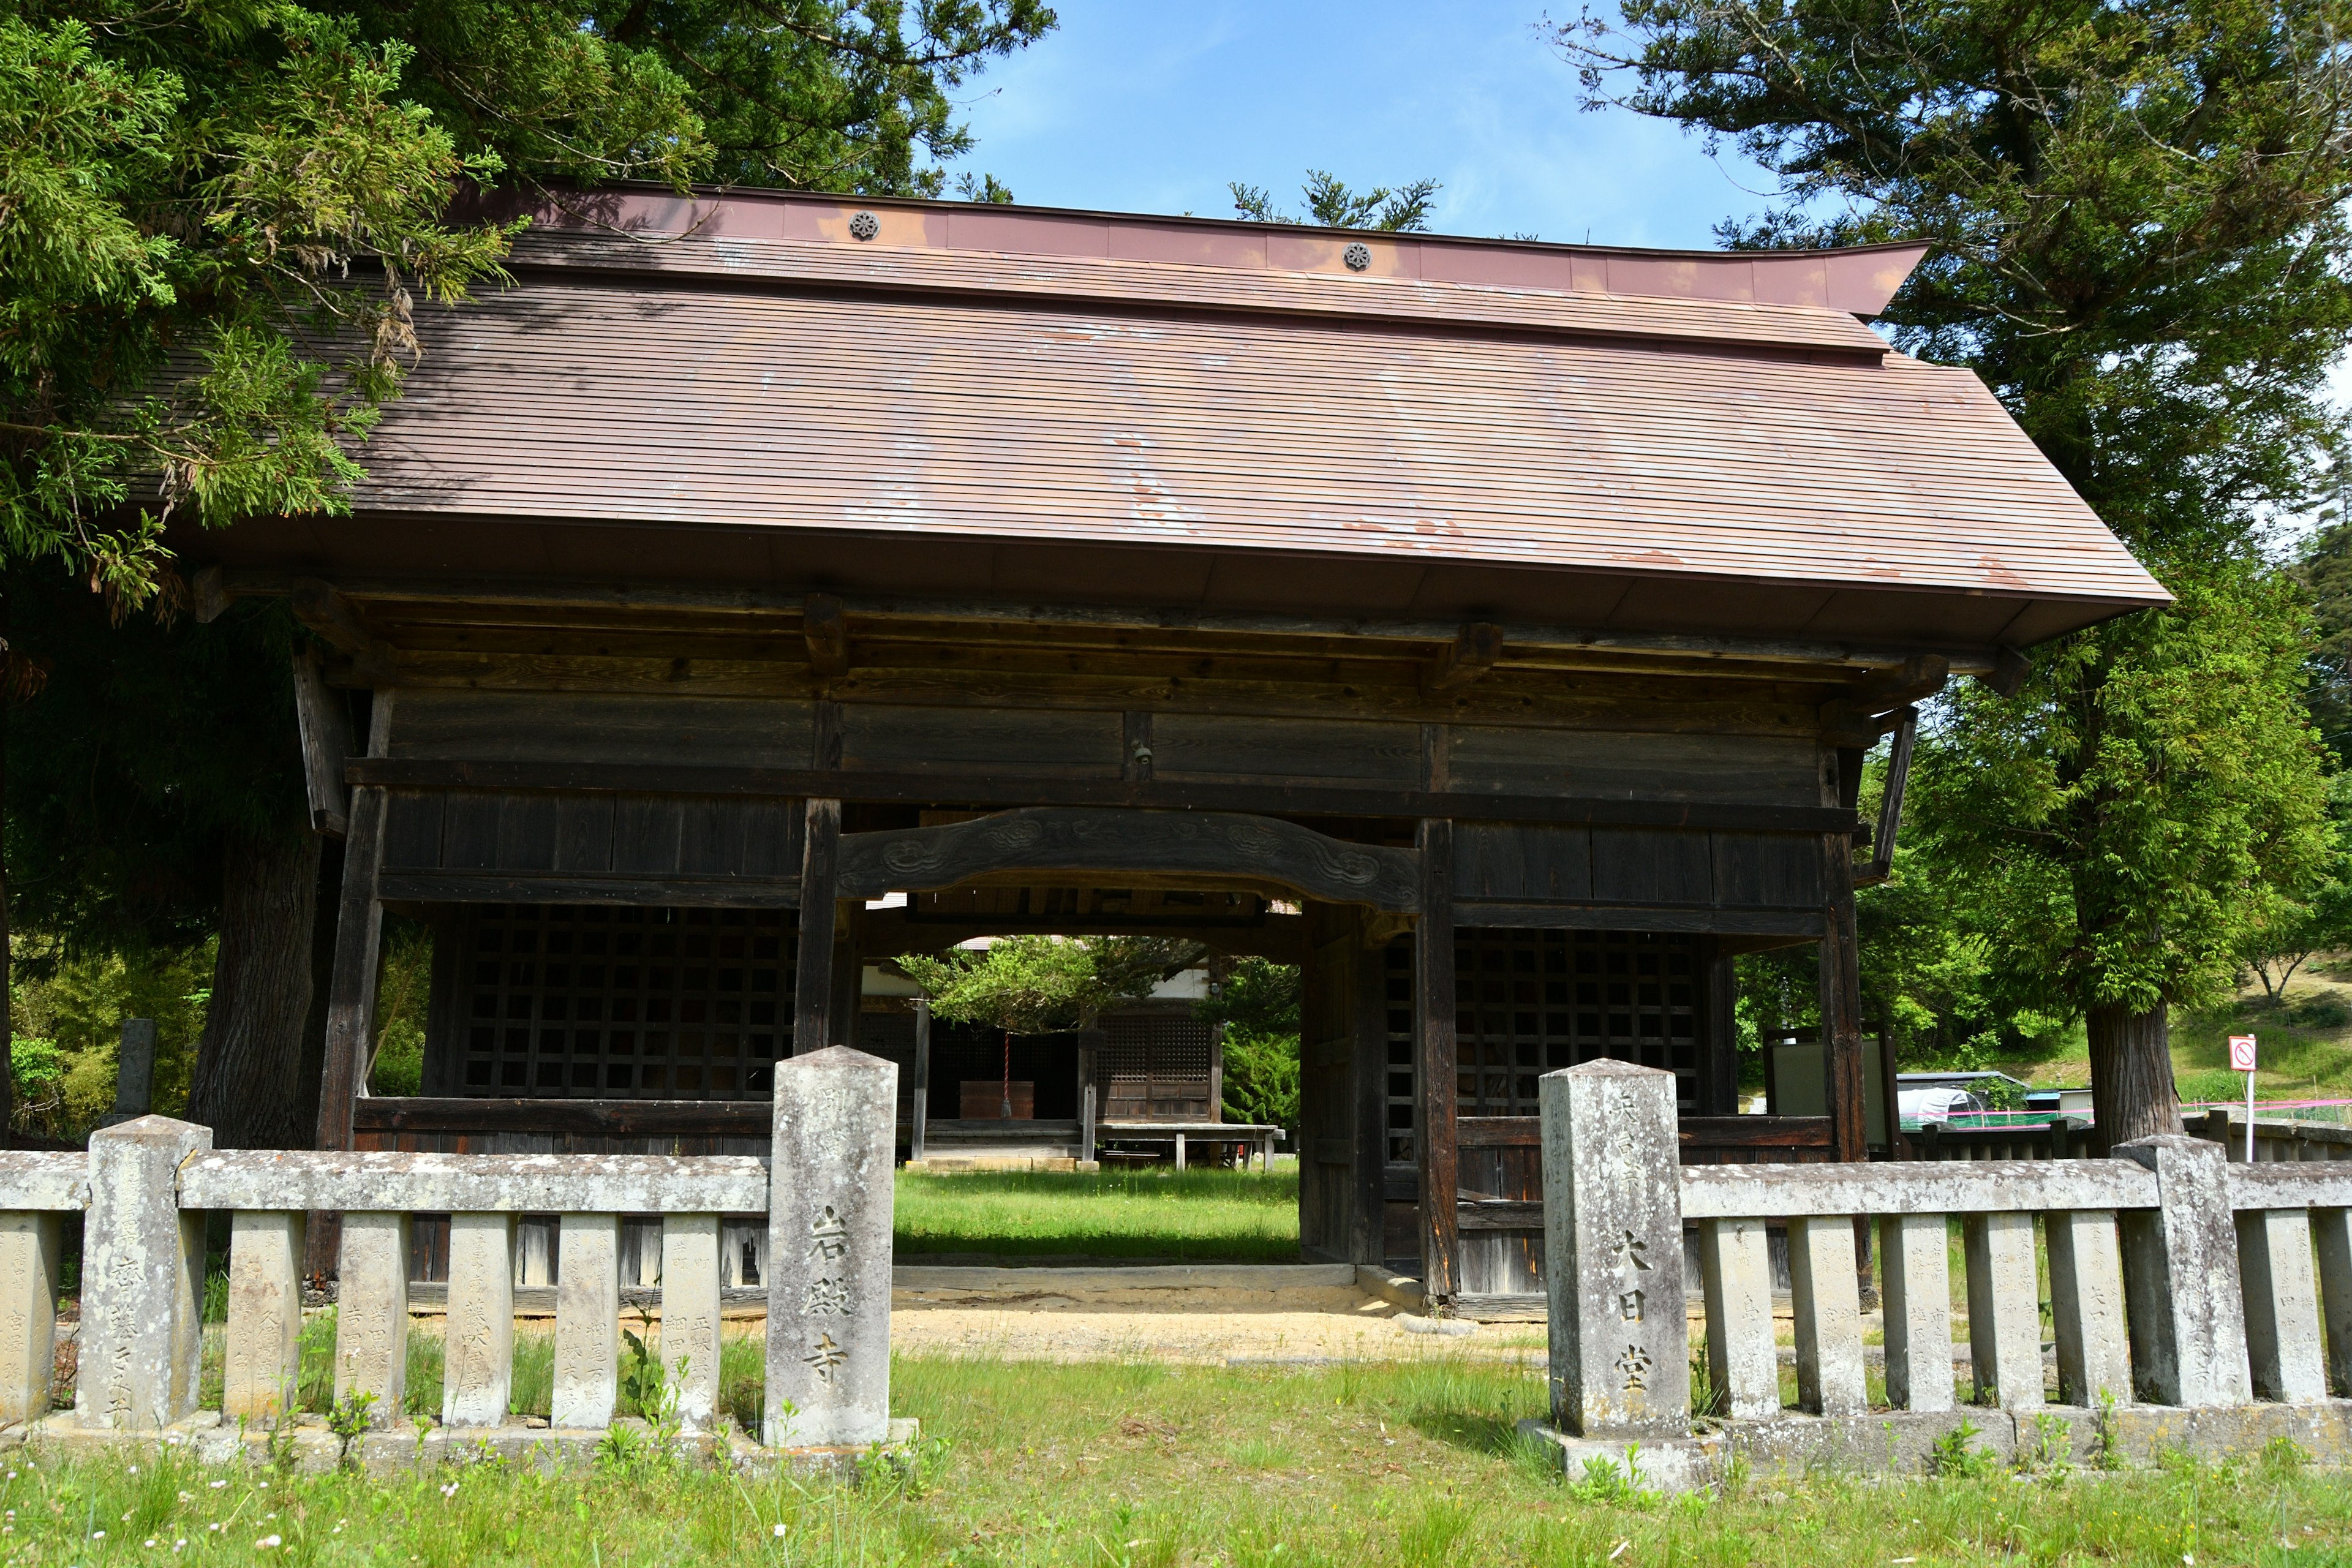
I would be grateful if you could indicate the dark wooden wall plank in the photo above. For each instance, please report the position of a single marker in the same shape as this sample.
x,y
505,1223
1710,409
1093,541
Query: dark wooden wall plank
x,y
527,833
1044,741
1649,866
469,831
646,830
1216,746
584,833
566,726
1766,871
412,830
1629,766
1522,862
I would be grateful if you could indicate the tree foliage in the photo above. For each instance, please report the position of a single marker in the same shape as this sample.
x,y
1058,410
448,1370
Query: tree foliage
x,y
1256,1002
1331,204
214,217
1042,985
2137,215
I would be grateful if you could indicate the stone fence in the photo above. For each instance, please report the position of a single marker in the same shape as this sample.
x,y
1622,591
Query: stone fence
x,y
2191,1302
146,1186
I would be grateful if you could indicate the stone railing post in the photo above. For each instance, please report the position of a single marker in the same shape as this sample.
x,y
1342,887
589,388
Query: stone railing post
x,y
264,1359
829,1208
29,1243
587,1322
2182,1295
141,1339
1614,1252
477,1353
371,1312
690,1303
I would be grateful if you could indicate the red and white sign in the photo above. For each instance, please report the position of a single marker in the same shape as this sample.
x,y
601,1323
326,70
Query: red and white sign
x,y
2241,1053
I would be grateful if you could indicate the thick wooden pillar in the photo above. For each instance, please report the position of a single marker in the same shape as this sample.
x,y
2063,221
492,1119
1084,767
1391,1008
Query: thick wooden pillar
x,y
1368,1056
1441,1176
1719,1045
1841,992
350,983
813,971
351,997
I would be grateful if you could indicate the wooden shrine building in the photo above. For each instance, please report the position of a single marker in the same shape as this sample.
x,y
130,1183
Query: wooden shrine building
x,y
1494,628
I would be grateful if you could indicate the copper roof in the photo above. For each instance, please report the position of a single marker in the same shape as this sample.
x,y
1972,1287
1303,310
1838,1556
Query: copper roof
x,y
1210,414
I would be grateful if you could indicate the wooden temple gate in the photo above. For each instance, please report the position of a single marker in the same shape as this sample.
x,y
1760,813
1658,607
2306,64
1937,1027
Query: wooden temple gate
x,y
1495,630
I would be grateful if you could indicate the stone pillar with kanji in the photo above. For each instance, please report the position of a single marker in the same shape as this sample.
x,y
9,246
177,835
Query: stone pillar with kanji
x,y
829,1250
1614,1252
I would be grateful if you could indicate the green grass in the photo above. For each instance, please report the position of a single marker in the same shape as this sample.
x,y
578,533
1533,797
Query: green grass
x,y
1147,1467
1214,1215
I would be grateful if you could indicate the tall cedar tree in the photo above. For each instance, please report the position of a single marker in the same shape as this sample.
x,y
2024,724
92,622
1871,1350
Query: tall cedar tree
x,y
214,218
2138,215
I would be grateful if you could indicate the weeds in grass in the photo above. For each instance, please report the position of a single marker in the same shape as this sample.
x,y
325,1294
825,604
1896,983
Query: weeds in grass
x,y
2050,1454
350,1420
2107,1438
1953,1456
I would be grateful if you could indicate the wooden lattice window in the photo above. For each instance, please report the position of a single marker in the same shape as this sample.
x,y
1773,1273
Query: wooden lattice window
x,y
603,1003
1154,1067
1530,1001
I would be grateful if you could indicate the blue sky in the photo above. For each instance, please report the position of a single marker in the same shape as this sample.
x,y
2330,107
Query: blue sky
x,y
1153,106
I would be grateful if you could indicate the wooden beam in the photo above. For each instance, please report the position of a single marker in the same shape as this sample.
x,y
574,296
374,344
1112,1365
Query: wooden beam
x,y
812,970
1086,843
209,595
351,997
1855,719
1272,797
332,619
1719,1033
1841,998
322,721
1471,654
762,603
892,932
1713,1132
827,630
918,1100
1433,1004
592,1118
1890,803
2010,668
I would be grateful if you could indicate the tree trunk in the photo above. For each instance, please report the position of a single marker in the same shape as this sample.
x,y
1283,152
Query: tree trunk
x,y
247,1083
2132,1092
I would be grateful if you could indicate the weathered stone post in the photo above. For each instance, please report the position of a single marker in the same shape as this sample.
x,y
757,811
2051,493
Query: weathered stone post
x,y
2086,1306
689,1326
371,1312
2281,1294
2182,1295
829,1202
1917,1271
1736,1273
478,1345
1614,1252
2004,1309
587,1322
142,1278
28,1313
265,1314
